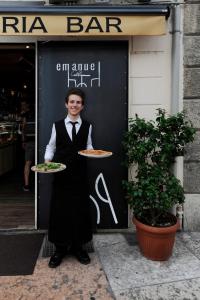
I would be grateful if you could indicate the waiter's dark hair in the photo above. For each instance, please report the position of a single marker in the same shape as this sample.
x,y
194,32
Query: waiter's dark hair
x,y
75,91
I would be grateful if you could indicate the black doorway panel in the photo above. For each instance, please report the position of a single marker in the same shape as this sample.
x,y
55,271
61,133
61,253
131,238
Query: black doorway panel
x,y
100,69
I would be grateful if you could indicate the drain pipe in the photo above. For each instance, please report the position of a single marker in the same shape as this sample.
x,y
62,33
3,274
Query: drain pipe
x,y
177,87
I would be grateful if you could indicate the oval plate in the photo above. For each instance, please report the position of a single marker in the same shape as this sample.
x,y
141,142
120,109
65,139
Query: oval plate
x,y
45,169
90,153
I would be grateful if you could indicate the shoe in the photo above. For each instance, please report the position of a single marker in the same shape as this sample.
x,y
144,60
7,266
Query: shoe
x,y
82,256
26,188
56,259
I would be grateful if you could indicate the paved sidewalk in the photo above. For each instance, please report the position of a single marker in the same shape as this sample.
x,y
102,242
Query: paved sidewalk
x,y
69,281
117,271
131,276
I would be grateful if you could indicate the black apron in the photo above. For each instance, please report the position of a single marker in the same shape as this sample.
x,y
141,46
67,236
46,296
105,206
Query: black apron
x,y
70,221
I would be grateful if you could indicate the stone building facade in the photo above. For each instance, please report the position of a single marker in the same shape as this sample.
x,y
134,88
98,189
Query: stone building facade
x,y
192,106
150,65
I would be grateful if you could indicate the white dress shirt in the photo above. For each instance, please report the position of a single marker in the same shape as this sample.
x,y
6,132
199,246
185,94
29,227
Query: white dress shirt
x,y
51,147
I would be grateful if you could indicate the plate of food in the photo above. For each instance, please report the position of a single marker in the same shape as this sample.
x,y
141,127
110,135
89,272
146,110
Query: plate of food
x,y
95,153
50,167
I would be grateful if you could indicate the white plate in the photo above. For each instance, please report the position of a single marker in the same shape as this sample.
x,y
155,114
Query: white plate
x,y
95,155
61,168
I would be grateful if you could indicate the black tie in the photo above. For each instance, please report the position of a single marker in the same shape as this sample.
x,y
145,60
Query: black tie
x,y
73,130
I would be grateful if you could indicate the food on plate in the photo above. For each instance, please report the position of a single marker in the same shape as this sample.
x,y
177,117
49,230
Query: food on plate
x,y
48,167
95,152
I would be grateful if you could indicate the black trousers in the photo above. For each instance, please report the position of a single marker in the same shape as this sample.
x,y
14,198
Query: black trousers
x,y
70,219
64,248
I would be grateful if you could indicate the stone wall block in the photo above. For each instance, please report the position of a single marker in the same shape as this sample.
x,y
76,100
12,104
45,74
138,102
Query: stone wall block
x,y
192,109
192,212
192,177
192,82
192,18
193,149
191,50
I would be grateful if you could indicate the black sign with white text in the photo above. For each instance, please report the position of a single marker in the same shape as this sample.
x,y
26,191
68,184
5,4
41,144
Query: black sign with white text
x,y
100,69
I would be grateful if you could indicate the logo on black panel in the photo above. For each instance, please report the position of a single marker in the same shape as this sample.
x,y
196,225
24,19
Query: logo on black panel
x,y
81,74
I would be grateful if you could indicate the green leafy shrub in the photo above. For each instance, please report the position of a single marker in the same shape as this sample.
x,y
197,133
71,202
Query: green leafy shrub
x,y
152,146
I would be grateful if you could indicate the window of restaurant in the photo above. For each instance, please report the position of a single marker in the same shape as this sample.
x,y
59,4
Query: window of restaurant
x,y
17,135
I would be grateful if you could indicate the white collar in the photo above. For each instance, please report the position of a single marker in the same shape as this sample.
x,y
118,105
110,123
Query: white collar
x,y
68,120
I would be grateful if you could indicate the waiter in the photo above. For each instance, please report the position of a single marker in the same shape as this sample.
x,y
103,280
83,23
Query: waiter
x,y
70,223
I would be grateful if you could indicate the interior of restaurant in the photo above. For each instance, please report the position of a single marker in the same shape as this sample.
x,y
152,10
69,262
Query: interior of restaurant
x,y
17,131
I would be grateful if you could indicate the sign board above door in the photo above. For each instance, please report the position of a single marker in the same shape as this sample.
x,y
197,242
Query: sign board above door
x,y
83,22
81,25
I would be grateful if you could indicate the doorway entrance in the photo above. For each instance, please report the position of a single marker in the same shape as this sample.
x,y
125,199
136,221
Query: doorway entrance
x,y
17,135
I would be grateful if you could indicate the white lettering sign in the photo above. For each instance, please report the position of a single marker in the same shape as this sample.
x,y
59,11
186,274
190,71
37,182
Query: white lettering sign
x,y
81,74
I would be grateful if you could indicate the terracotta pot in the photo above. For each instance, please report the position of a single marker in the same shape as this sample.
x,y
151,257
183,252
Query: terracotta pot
x,y
156,243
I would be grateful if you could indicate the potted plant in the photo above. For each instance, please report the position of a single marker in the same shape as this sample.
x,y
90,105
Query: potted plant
x,y
151,148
